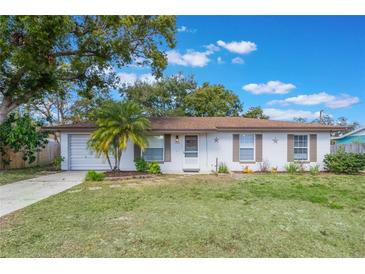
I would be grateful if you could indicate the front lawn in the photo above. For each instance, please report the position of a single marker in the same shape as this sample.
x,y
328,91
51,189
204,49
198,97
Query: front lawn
x,y
14,175
274,215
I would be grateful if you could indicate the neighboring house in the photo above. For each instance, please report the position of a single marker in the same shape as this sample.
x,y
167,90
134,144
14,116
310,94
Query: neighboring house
x,y
198,143
356,136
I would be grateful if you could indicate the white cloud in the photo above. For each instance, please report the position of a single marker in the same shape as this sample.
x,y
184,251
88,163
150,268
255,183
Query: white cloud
x,y
185,29
343,101
220,60
190,58
211,48
271,87
242,47
328,100
238,60
148,78
129,79
289,114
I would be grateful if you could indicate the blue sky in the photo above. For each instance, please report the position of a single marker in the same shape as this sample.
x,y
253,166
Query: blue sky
x,y
289,65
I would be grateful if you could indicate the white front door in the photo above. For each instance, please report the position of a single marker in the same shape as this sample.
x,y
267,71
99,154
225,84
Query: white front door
x,y
191,153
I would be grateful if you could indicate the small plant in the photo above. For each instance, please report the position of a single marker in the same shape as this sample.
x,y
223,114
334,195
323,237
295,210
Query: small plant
x,y
57,161
154,168
264,166
314,170
222,168
345,162
247,169
292,168
274,170
141,165
92,175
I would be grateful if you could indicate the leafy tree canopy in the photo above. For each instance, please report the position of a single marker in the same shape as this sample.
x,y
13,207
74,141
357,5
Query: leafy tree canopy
x,y
255,112
162,98
40,54
21,134
212,100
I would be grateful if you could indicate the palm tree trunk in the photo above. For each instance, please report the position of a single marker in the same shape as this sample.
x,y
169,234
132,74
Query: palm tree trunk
x,y
116,160
119,158
108,159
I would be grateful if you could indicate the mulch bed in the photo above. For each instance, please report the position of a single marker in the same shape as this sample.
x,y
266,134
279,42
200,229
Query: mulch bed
x,y
125,175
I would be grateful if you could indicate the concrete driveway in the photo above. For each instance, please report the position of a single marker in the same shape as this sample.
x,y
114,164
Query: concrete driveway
x,y
20,194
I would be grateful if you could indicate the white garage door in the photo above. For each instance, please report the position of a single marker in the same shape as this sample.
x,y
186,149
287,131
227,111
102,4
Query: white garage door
x,y
81,157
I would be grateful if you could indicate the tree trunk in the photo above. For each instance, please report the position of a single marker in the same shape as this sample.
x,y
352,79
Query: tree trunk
x,y
119,158
108,159
3,114
6,106
116,158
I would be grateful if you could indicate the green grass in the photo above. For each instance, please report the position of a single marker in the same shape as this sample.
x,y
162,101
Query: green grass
x,y
14,175
277,215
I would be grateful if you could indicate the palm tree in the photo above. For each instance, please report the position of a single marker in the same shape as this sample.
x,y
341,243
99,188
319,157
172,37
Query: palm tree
x,y
117,123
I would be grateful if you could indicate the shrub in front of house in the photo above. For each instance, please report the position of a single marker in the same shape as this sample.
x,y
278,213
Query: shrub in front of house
x,y
314,170
153,168
57,161
344,162
292,168
222,168
264,166
92,175
141,165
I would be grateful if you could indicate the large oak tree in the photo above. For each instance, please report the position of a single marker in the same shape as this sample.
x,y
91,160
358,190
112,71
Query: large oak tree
x,y
165,97
212,100
40,54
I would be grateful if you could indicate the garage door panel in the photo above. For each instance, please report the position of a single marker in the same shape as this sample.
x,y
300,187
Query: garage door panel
x,y
81,157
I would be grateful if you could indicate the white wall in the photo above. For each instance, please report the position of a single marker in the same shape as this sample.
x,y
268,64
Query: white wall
x,y
64,150
209,150
274,153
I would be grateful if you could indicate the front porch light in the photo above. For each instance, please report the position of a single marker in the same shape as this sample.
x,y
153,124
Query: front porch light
x,y
177,139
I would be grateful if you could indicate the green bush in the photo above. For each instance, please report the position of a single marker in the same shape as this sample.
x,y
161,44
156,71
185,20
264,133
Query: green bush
x,y
222,168
92,175
292,167
344,162
154,168
314,170
57,161
141,165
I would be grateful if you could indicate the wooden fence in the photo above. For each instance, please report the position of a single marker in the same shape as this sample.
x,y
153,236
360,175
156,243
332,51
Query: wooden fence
x,y
356,148
43,157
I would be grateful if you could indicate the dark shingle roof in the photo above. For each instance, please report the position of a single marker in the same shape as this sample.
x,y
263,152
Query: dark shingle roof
x,y
212,124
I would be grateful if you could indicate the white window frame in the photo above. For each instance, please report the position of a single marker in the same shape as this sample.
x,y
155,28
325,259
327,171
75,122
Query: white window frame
x,y
301,147
254,148
163,150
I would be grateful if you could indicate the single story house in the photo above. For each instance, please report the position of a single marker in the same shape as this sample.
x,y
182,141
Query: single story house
x,y
197,144
356,136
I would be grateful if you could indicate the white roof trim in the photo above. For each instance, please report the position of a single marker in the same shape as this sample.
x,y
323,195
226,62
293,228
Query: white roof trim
x,y
347,134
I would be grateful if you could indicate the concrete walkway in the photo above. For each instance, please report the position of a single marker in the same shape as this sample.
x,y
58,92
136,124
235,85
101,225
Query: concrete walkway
x,y
20,194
